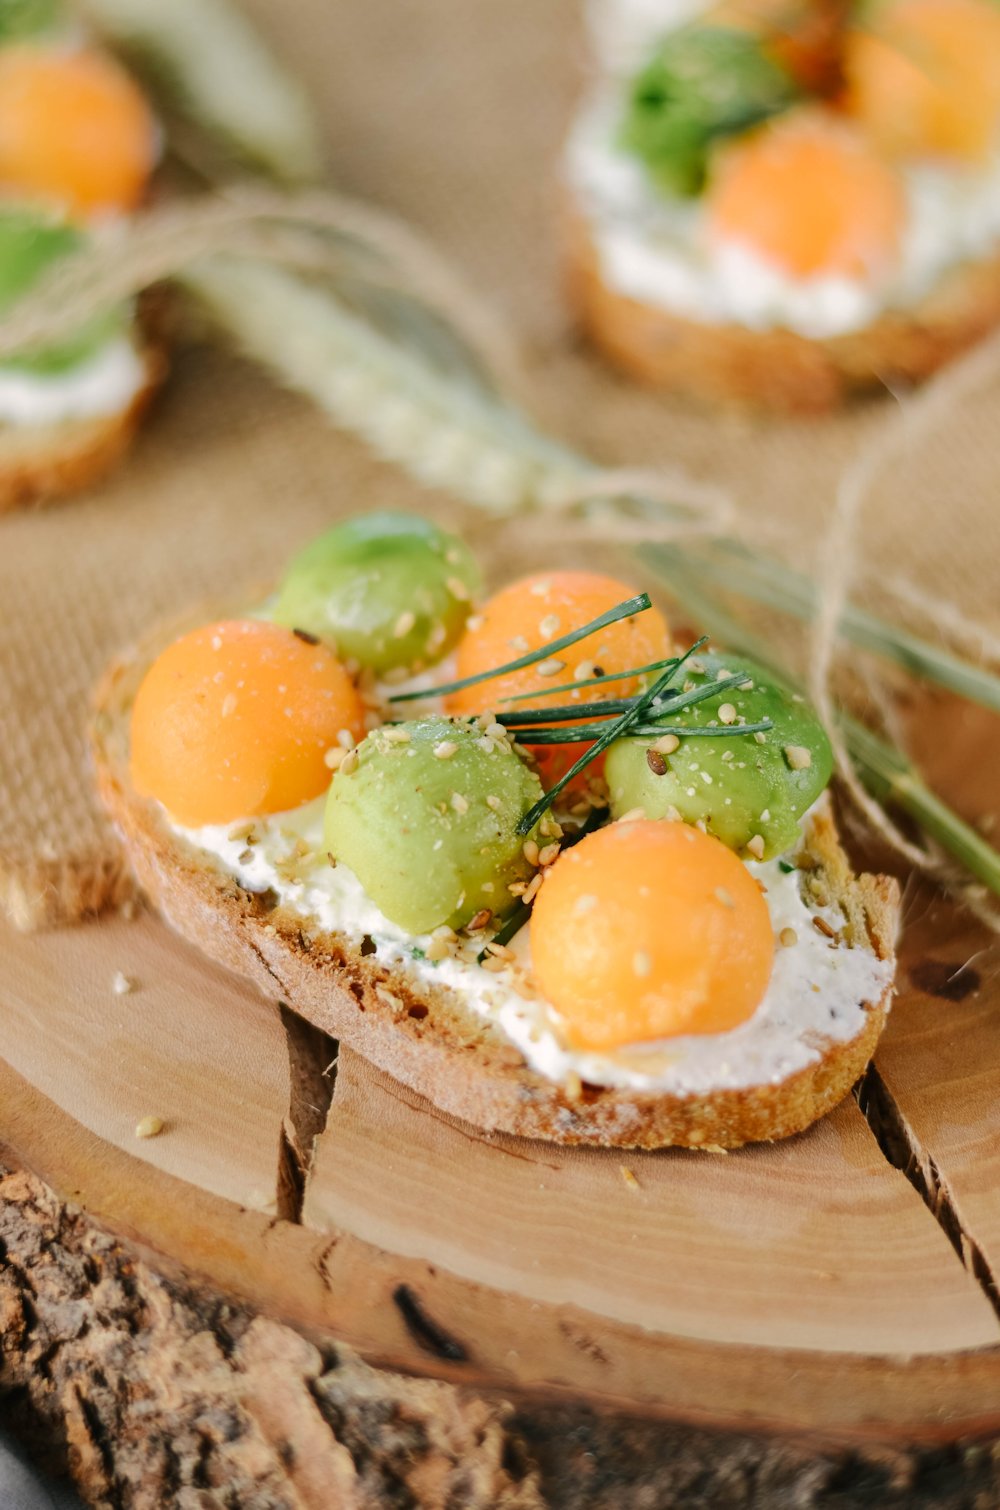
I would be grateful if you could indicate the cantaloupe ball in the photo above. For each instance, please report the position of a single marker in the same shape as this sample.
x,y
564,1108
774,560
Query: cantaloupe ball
x,y
234,721
75,130
529,614
650,929
809,195
923,77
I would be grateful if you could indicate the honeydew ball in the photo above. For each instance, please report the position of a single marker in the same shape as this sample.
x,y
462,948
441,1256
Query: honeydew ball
x,y
388,590
30,242
427,820
746,789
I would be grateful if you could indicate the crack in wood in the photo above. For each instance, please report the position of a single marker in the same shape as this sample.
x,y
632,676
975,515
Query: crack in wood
x,y
312,1076
904,1152
424,1330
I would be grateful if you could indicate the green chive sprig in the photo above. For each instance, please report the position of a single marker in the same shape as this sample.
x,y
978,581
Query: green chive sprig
x,y
613,729
626,610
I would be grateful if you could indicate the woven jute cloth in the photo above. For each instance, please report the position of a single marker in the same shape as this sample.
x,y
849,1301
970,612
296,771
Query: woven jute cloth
x,y
450,115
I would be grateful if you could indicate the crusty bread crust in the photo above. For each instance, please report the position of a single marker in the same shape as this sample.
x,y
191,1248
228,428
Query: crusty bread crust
x,y
426,1038
779,369
39,463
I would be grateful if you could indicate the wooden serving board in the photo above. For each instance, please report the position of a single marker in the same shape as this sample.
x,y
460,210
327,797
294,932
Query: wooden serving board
x,y
835,1293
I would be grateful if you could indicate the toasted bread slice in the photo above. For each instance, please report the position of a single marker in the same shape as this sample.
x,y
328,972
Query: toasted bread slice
x,y
39,463
779,369
427,1037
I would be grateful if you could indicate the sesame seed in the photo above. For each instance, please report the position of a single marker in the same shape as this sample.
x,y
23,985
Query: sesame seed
x,y
149,1127
551,666
519,643
475,621
724,897
404,624
705,777
540,589
755,847
229,704
760,737
584,671
458,589
671,814
787,938
494,803
479,920
727,714
345,739
350,763
446,749
722,674
666,744
765,816
121,985
549,626
396,736
585,903
641,963
459,803
798,757
493,964
634,815
334,757
573,1086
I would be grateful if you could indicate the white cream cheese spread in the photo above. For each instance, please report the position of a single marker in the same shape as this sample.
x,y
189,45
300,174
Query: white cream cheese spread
x,y
816,993
103,384
652,245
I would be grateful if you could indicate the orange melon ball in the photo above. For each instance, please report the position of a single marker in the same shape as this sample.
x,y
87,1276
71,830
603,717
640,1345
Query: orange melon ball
x,y
924,77
649,929
74,129
809,195
234,720
528,615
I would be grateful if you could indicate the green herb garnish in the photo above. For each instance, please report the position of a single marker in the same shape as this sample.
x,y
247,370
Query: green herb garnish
x,y
626,610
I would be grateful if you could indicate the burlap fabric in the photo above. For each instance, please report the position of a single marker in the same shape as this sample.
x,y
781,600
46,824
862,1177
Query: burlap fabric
x,y
451,115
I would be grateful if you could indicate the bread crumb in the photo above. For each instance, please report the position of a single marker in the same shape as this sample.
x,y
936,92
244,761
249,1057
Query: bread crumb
x,y
404,624
788,938
629,1177
573,1086
798,757
121,985
149,1127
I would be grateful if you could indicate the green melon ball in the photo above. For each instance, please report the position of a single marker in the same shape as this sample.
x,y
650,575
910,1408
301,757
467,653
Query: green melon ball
x,y
29,244
738,787
391,590
28,18
427,821
700,85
